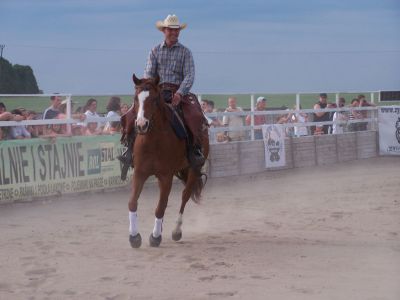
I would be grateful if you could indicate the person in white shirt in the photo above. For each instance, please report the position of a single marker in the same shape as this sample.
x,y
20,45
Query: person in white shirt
x,y
90,110
300,118
234,121
113,108
338,128
19,132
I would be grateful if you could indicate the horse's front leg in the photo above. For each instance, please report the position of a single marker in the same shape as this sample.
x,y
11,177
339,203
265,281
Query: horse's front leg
x,y
137,185
165,184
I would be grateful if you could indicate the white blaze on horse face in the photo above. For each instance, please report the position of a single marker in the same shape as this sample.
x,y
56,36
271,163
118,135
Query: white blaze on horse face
x,y
141,120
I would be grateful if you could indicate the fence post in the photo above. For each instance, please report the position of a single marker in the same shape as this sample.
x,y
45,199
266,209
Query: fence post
x,y
69,115
252,116
373,113
297,101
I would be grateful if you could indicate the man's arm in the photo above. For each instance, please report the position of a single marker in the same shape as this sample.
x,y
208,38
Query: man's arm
x,y
150,70
188,73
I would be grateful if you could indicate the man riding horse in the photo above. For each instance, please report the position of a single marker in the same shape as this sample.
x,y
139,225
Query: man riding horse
x,y
173,64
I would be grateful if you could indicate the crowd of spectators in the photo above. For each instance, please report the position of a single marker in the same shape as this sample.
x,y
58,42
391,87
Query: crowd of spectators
x,y
342,120
57,110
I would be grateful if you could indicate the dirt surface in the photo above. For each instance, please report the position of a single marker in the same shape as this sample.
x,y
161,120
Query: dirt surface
x,y
330,232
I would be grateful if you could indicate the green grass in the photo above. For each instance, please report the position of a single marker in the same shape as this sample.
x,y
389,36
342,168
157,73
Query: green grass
x,y
39,104
289,100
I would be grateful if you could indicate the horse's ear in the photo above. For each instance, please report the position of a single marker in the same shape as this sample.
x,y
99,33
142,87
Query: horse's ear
x,y
157,79
136,80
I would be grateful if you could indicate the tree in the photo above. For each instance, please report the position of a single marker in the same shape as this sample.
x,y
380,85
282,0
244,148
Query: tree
x,y
17,79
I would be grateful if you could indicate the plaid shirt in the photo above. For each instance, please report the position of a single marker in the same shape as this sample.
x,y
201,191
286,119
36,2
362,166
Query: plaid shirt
x,y
173,65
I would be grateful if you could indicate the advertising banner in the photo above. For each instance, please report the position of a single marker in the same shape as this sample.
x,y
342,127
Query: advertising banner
x,y
389,130
274,144
44,167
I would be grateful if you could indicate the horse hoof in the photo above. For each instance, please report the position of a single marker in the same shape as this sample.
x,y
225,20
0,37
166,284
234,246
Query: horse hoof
x,y
176,235
135,241
154,242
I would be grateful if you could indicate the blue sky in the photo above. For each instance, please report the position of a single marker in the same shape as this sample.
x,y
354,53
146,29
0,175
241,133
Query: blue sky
x,y
85,46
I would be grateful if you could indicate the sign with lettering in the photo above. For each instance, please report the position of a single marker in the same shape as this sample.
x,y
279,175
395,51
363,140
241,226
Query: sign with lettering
x,y
42,167
389,130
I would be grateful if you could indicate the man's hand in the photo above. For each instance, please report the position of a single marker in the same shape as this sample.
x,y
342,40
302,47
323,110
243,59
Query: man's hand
x,y
176,99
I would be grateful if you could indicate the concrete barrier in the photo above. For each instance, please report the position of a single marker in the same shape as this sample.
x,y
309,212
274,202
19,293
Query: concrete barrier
x,y
239,158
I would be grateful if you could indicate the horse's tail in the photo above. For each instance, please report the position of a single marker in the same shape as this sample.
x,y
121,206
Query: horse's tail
x,y
197,185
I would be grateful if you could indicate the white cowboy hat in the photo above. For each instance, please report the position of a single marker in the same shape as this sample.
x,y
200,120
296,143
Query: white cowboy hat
x,y
171,21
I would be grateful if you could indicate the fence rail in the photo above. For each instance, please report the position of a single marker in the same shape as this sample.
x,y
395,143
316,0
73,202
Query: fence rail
x,y
371,119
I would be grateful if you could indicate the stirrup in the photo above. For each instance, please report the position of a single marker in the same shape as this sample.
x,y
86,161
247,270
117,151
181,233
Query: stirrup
x,y
126,159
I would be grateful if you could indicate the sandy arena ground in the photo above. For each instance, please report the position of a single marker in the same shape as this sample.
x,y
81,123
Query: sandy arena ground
x,y
329,232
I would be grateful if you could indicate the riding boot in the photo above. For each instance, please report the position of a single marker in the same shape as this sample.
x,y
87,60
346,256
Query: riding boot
x,y
196,157
126,158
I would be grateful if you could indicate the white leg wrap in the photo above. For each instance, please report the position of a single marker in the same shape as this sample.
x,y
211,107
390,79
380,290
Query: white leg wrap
x,y
157,227
133,230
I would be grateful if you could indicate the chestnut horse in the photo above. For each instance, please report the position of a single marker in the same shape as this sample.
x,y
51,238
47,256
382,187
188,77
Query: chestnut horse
x,y
158,151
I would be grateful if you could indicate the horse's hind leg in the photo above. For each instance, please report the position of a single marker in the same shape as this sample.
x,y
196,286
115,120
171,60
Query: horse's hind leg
x,y
186,194
134,236
165,184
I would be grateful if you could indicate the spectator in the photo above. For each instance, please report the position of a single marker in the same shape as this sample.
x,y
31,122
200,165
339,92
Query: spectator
x,y
208,107
261,104
2,108
363,103
203,105
354,115
300,117
319,130
339,116
34,130
92,129
113,107
321,116
19,132
7,116
54,109
91,111
61,129
330,114
284,119
233,120
124,108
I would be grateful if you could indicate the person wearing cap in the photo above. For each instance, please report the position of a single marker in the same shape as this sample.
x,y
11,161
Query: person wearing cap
x,y
173,63
321,116
261,104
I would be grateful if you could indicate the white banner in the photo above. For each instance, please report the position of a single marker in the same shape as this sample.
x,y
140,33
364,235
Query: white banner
x,y
389,130
274,144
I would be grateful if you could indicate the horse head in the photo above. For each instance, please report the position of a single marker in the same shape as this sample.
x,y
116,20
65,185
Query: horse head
x,y
147,101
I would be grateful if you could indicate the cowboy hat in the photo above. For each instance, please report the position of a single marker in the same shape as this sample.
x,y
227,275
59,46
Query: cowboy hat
x,y
171,21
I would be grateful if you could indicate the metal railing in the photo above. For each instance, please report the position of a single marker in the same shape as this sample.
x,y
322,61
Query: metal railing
x,y
371,120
